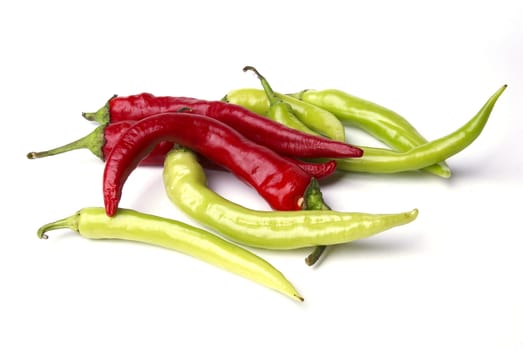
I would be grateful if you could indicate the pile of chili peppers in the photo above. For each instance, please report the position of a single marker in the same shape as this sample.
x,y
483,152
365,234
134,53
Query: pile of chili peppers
x,y
280,144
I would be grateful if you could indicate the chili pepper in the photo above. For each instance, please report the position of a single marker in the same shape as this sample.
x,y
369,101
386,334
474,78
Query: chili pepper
x,y
280,182
131,225
384,124
264,131
279,111
387,128
378,160
185,184
102,140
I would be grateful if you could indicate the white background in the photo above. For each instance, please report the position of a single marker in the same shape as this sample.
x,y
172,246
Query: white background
x,y
449,280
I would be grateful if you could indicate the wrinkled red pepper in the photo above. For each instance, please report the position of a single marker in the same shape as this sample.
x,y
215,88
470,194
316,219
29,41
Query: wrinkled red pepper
x,y
280,182
261,130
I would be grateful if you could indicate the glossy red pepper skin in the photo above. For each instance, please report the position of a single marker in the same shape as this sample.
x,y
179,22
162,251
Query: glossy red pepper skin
x,y
264,131
113,132
280,182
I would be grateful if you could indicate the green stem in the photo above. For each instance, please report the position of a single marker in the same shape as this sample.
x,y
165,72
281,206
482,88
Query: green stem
x,y
70,222
315,255
313,200
93,142
102,116
271,96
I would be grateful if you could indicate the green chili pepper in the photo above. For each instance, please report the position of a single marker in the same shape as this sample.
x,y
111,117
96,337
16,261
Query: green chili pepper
x,y
384,124
279,111
135,226
185,184
315,118
377,160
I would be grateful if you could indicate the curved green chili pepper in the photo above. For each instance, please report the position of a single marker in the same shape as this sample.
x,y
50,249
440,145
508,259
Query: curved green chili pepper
x,y
377,160
135,226
279,111
317,119
384,124
185,184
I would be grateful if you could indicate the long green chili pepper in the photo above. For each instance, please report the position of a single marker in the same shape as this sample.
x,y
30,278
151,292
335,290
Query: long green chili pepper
x,y
377,160
185,184
135,226
384,124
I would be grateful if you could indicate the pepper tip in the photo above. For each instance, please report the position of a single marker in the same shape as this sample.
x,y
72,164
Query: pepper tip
x,y
299,298
110,209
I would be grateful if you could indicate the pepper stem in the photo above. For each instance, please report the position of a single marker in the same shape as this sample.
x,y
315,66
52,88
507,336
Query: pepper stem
x,y
93,142
102,116
315,255
271,96
313,200
70,222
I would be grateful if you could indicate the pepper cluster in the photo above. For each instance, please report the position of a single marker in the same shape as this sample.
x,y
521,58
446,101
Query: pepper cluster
x,y
280,144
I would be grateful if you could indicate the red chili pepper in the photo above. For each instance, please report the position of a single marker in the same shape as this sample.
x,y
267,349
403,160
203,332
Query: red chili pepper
x,y
264,131
280,182
102,140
